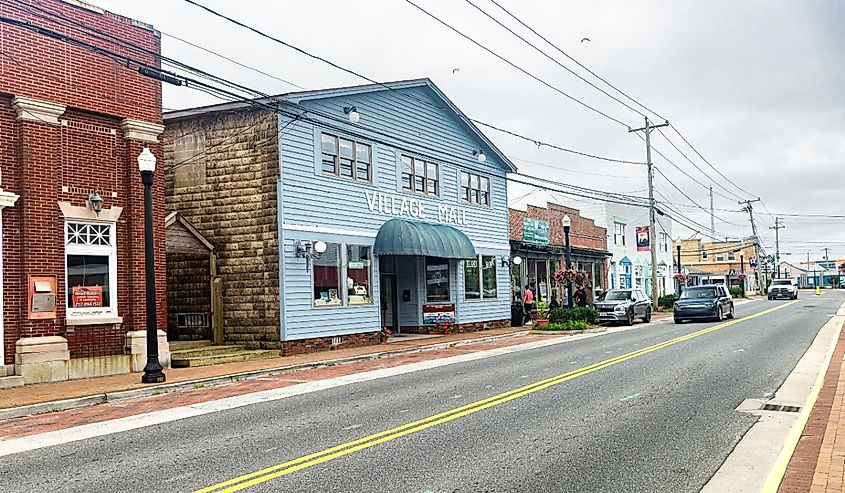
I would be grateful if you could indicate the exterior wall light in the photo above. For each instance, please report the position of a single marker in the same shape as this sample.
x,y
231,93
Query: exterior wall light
x,y
353,114
515,260
308,251
95,202
479,154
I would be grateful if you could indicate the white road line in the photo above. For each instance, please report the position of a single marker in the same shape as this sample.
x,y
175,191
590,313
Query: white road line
x,y
119,425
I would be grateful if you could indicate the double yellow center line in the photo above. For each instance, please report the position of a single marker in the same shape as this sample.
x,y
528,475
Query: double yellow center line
x,y
310,460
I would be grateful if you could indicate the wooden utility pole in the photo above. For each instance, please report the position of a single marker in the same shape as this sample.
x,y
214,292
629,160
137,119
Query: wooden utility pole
x,y
777,227
760,282
652,230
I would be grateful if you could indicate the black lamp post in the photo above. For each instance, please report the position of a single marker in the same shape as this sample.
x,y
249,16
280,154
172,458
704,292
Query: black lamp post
x,y
742,272
678,246
152,371
567,222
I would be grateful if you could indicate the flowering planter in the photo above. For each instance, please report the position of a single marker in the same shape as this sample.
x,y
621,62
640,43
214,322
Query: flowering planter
x,y
541,322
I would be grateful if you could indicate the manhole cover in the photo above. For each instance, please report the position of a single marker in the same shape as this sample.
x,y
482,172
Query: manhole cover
x,y
780,408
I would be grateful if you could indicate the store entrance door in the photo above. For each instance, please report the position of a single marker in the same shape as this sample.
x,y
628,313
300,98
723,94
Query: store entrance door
x,y
389,312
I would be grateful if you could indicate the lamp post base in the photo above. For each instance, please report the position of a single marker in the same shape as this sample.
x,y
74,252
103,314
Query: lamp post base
x,y
153,372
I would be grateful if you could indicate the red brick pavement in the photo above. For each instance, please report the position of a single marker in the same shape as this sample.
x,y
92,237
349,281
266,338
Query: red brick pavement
x,y
818,462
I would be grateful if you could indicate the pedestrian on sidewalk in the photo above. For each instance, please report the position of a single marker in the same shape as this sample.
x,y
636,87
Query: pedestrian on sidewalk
x,y
580,297
527,302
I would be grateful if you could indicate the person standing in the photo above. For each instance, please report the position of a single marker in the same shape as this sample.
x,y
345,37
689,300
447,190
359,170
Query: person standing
x,y
527,301
580,297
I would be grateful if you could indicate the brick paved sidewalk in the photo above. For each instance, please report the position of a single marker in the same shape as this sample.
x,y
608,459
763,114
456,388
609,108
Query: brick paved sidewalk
x,y
818,462
51,421
50,392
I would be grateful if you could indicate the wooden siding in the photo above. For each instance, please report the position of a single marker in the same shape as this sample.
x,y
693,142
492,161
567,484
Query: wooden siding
x,y
328,208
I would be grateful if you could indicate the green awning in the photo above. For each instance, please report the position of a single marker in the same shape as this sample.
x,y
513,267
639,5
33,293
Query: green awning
x,y
402,237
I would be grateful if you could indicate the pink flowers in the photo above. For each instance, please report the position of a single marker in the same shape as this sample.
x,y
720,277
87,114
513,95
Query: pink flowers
x,y
576,277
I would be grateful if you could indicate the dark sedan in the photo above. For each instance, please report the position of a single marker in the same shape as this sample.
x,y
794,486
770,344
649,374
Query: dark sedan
x,y
704,303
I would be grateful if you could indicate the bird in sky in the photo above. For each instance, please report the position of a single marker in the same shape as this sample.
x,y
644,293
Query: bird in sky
x,y
585,39
456,70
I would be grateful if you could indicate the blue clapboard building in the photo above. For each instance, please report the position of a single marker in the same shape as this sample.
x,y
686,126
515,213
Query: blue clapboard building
x,y
390,211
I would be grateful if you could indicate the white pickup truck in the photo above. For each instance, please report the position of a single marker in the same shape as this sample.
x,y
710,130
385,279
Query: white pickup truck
x,y
783,288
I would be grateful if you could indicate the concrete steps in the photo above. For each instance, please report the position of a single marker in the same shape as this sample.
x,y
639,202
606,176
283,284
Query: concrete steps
x,y
202,353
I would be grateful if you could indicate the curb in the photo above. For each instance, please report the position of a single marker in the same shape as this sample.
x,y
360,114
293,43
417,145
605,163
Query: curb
x,y
91,400
568,332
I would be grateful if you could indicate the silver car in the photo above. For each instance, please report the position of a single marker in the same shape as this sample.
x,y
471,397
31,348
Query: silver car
x,y
624,305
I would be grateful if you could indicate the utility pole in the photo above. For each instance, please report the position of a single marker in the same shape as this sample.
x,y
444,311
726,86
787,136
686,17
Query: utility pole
x,y
712,215
748,208
652,230
826,250
777,227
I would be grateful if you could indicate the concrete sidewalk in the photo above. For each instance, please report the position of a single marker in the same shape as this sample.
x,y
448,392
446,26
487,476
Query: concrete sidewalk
x,y
818,462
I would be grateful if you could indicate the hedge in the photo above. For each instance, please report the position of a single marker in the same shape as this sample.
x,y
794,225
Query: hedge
x,y
667,301
582,314
736,291
569,325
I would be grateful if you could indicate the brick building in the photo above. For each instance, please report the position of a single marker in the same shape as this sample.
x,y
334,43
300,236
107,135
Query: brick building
x,y
719,262
73,123
537,237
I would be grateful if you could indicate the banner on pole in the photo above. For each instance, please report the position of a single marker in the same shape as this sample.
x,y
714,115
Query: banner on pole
x,y
643,243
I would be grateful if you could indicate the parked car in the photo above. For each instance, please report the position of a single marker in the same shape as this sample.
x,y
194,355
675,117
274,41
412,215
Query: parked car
x,y
623,305
712,302
783,288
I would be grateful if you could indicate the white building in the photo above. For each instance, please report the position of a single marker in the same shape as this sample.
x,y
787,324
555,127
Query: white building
x,y
630,266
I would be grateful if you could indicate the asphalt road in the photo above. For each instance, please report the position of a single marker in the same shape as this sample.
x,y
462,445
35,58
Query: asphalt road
x,y
663,420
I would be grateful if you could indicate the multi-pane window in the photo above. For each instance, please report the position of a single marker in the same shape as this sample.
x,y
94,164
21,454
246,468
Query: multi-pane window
x,y
436,279
731,256
480,278
91,263
420,176
703,255
619,234
720,257
664,242
475,189
346,158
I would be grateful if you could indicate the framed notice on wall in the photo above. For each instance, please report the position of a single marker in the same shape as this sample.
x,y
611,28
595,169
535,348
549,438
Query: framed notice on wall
x,y
42,297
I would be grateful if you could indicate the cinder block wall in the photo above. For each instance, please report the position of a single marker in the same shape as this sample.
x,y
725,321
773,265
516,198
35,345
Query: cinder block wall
x,y
229,195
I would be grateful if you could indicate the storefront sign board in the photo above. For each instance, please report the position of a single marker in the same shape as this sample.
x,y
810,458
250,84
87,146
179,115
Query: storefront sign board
x,y
535,231
440,313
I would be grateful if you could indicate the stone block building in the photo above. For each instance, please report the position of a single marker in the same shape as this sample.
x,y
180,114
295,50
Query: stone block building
x,y
337,213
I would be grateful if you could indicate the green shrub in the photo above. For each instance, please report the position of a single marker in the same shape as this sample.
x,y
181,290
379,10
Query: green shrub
x,y
736,291
667,301
569,325
582,314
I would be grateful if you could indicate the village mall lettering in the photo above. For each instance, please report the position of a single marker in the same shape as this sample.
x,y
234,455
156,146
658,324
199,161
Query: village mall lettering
x,y
390,204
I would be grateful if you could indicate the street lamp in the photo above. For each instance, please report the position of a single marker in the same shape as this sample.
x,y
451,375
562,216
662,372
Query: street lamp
x,y
567,222
742,271
152,371
678,247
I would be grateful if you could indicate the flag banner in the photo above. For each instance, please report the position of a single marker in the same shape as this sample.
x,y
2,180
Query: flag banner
x,y
643,243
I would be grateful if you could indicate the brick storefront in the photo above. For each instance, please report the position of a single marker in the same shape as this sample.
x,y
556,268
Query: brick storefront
x,y
74,121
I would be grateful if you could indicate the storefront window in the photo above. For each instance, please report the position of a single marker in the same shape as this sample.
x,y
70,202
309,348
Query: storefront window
x,y
480,278
489,285
91,262
471,280
436,279
326,272
359,274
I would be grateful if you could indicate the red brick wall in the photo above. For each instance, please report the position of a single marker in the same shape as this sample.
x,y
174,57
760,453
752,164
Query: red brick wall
x,y
45,164
44,68
582,233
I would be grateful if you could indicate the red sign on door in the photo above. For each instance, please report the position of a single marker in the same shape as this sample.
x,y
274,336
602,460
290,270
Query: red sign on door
x,y
87,296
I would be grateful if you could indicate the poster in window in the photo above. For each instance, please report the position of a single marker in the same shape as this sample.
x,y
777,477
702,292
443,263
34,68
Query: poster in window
x,y
87,297
441,313
642,239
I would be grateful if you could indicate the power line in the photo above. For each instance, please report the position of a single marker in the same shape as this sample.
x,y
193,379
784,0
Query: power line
x,y
695,165
691,200
514,158
486,14
540,143
512,64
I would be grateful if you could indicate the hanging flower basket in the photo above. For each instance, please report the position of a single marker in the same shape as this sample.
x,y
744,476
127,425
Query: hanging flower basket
x,y
681,278
578,278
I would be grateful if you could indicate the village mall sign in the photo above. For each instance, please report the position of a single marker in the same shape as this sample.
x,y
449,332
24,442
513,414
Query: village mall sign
x,y
390,204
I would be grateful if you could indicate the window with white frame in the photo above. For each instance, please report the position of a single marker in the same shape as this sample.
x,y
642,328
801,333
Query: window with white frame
x,y
91,269
731,255
664,242
480,278
703,255
619,234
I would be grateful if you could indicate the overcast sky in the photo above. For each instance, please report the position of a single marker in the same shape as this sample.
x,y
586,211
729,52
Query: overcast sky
x,y
758,87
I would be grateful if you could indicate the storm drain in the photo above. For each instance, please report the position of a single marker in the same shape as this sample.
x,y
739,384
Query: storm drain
x,y
780,408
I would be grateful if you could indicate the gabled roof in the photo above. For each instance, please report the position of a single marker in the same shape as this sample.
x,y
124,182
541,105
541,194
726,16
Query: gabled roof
x,y
297,97
177,219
